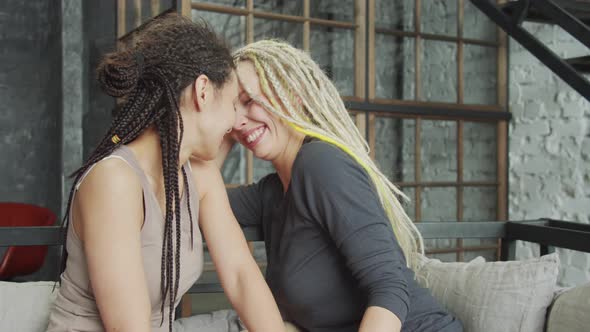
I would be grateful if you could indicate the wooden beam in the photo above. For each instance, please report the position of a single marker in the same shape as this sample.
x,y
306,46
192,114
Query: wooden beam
x,y
185,8
430,36
417,50
271,16
460,76
360,47
137,6
154,7
372,135
417,169
121,23
306,25
447,184
187,306
371,45
460,159
249,39
502,169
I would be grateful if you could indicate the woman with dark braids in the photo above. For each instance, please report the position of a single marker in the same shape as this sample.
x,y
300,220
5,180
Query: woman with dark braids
x,y
135,214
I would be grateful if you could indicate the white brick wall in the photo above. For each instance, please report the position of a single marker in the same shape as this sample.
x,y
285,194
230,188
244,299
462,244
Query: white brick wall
x,y
549,148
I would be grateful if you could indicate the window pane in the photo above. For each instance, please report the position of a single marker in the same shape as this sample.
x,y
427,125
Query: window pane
x,y
335,10
262,168
333,50
438,152
439,17
396,14
480,74
476,25
439,204
229,3
139,12
291,7
234,167
287,31
479,204
438,71
395,148
479,151
410,207
231,27
395,67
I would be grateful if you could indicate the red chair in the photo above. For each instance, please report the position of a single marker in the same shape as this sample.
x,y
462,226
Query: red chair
x,y
23,260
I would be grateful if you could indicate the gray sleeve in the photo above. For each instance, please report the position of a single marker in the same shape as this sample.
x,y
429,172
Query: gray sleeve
x,y
339,195
247,202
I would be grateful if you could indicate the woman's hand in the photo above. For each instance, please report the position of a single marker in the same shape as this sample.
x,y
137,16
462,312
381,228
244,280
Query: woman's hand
x,y
377,319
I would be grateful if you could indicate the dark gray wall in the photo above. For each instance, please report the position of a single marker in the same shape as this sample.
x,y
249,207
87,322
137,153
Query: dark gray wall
x,y
30,102
100,24
41,42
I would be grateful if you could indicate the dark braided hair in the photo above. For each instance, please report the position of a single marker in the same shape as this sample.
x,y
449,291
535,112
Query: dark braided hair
x,y
170,53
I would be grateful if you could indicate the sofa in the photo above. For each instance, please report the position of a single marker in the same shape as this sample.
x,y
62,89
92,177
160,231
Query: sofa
x,y
505,295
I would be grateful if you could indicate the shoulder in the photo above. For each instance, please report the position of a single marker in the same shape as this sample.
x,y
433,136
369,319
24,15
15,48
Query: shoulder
x,y
112,176
109,195
325,163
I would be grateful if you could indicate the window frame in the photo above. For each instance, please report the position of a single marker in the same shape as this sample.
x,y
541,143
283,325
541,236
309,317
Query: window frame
x,y
364,104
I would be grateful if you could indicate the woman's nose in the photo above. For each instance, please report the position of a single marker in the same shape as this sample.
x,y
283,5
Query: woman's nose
x,y
241,118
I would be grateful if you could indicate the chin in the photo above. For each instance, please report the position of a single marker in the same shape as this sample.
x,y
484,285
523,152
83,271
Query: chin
x,y
264,155
206,155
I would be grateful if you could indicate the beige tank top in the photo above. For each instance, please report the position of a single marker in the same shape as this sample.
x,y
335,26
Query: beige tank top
x,y
75,306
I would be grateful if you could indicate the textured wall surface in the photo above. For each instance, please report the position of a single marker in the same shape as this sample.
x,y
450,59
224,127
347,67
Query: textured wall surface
x,y
30,102
99,23
30,107
549,145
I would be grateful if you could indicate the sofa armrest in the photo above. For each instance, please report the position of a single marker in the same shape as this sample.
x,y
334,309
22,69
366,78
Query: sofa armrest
x,y
569,311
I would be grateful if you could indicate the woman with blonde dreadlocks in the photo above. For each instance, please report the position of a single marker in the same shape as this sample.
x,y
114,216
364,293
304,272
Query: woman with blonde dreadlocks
x,y
339,244
138,207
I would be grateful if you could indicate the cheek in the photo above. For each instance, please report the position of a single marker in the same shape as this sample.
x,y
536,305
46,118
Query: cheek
x,y
259,114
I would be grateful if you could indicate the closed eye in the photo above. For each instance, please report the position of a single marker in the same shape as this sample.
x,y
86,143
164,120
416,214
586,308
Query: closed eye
x,y
247,102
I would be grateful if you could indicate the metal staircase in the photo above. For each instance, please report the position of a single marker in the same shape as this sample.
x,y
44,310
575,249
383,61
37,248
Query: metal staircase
x,y
571,15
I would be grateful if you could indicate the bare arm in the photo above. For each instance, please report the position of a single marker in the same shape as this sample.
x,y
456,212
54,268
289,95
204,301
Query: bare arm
x,y
377,319
239,275
108,218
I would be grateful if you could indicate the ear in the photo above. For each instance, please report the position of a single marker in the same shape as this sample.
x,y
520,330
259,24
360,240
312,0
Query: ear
x,y
202,92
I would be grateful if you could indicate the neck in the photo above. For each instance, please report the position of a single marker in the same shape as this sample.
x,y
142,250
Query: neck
x,y
148,152
284,162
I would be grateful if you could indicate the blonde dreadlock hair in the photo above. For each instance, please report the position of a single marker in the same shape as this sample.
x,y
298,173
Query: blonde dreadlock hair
x,y
303,96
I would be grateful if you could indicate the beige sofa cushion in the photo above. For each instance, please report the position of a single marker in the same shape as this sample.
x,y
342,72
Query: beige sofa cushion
x,y
571,311
493,296
24,307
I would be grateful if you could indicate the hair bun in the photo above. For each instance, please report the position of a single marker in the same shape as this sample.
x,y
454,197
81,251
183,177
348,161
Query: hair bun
x,y
119,73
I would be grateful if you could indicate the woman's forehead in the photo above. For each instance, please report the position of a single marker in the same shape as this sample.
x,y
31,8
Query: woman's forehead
x,y
246,70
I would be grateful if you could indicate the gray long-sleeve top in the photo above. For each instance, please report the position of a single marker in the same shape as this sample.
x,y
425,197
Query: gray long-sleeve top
x,y
330,247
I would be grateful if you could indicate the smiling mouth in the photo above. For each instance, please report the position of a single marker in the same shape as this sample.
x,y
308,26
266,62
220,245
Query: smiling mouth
x,y
255,135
